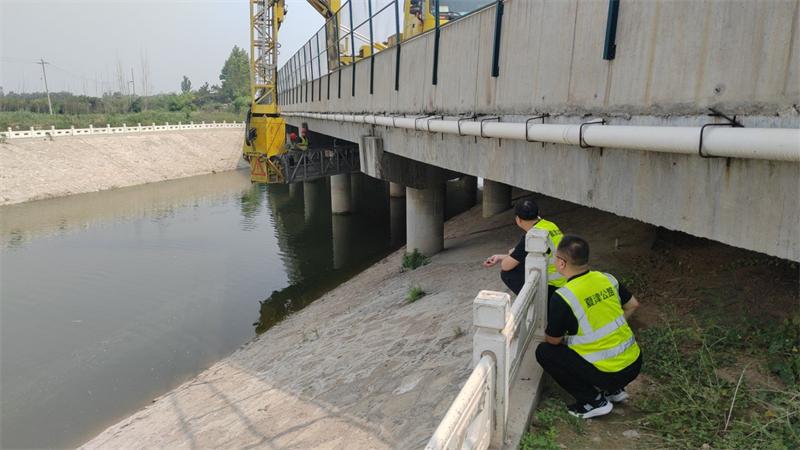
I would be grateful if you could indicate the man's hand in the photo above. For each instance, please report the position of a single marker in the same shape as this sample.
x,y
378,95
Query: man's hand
x,y
493,260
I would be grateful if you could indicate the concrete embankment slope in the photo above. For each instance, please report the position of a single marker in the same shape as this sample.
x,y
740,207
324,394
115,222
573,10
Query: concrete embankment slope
x,y
34,169
360,368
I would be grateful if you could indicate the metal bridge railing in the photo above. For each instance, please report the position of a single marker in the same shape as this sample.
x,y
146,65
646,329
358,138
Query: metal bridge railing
x,y
358,30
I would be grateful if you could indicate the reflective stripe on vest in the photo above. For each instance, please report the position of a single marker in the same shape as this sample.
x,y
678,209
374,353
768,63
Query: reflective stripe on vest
x,y
598,334
554,236
611,352
577,309
609,344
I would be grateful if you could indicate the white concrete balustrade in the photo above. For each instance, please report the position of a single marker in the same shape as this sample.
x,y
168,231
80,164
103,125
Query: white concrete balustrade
x,y
108,129
494,406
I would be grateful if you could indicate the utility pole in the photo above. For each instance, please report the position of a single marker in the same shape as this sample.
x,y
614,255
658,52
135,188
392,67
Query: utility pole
x,y
133,82
44,75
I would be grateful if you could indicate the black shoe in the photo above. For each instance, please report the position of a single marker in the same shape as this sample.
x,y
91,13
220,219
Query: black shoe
x,y
616,396
595,408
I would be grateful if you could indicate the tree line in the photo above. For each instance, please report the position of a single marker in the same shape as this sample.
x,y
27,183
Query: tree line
x,y
231,95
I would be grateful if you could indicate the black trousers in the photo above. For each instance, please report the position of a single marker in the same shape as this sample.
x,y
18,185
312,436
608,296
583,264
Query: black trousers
x,y
514,279
579,377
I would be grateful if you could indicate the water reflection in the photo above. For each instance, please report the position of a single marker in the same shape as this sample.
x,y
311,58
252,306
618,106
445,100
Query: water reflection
x,y
109,299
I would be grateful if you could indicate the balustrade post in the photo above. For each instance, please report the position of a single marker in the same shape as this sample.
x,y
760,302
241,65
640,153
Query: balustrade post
x,y
72,130
139,127
491,312
124,128
537,243
91,129
10,131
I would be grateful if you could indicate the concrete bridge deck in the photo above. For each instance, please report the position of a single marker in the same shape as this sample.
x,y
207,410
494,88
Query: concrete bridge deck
x,y
673,61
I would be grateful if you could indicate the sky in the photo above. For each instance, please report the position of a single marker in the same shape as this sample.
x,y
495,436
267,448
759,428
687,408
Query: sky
x,y
83,40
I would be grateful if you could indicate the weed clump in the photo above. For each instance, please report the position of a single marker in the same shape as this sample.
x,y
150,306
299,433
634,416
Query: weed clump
x,y
414,294
414,260
543,434
693,405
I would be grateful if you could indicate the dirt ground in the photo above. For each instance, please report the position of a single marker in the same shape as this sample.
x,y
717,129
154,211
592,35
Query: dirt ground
x,y
35,169
680,277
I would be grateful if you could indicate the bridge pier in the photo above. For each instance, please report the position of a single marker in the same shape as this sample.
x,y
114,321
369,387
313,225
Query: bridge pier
x,y
425,219
341,202
356,191
496,197
341,233
295,190
312,191
397,219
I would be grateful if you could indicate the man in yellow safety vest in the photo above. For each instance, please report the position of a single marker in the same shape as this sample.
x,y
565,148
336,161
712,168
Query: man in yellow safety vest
x,y
512,265
589,348
303,144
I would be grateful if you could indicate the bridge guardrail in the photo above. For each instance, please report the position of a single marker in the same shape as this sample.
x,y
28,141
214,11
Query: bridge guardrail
x,y
108,129
356,30
479,416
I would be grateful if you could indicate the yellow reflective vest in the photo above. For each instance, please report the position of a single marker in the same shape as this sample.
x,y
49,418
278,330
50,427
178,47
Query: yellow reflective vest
x,y
303,144
604,337
554,237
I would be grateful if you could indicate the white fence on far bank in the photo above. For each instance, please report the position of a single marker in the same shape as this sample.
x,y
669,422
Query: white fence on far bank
x,y
108,129
505,369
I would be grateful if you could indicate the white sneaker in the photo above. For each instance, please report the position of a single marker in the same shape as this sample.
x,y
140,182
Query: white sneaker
x,y
617,396
599,407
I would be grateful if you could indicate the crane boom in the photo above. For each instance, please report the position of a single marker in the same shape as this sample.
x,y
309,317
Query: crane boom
x,y
265,130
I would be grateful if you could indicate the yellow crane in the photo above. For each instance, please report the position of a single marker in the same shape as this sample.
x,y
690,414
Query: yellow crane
x,y
265,130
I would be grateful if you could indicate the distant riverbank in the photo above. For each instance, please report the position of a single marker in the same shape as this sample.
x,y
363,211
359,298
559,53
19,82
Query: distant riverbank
x,y
34,169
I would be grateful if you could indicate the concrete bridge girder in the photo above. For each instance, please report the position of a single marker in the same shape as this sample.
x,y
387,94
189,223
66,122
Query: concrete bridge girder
x,y
398,169
751,204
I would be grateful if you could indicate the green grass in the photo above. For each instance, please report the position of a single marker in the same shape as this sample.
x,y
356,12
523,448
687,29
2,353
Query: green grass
x,y
414,294
543,434
414,260
22,120
692,405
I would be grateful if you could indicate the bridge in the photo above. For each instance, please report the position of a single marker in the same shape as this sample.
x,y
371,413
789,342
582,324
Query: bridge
x,y
683,115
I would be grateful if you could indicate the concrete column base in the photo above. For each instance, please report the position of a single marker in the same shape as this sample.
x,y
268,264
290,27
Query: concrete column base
x,y
312,191
496,197
341,230
425,220
356,191
295,190
341,202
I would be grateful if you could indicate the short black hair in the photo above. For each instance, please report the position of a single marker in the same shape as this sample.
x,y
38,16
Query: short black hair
x,y
575,249
526,209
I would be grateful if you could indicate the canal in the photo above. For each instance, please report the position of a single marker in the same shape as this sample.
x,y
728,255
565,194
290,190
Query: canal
x,y
110,299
